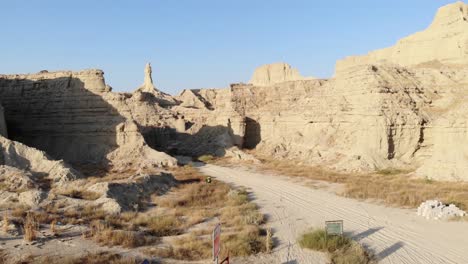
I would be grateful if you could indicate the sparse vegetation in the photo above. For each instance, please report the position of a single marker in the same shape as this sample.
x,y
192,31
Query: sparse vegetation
x,y
30,228
105,235
81,194
393,187
206,158
91,258
53,228
6,222
196,202
340,249
187,214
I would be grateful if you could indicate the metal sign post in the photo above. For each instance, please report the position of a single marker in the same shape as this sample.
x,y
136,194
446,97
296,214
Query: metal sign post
x,y
334,228
216,242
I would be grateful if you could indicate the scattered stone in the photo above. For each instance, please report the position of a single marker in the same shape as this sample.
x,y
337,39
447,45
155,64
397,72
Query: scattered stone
x,y
433,209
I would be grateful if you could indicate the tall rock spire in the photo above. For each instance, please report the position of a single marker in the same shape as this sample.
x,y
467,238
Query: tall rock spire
x,y
148,85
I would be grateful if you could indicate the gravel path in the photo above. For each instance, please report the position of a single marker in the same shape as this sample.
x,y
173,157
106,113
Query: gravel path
x,y
393,235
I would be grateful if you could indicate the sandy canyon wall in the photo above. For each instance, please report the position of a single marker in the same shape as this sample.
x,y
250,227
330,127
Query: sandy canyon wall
x,y
404,108
445,41
75,117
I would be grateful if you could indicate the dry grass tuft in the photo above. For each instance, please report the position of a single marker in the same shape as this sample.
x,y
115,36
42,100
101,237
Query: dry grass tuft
x,y
6,222
20,211
105,235
91,258
53,228
30,228
340,249
81,194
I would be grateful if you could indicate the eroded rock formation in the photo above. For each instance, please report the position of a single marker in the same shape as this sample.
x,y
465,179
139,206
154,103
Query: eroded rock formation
x,y
445,41
74,116
270,74
401,107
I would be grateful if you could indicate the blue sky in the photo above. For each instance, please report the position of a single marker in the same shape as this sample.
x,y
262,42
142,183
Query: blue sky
x,y
199,43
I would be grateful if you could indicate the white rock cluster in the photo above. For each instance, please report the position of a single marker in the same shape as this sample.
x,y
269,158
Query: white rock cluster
x,y
433,209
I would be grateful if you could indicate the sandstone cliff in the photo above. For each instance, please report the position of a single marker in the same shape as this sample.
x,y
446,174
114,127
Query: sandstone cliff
x,y
402,107
270,74
444,41
74,116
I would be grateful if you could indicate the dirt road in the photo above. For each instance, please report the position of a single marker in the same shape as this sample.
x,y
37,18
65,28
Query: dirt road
x,y
393,235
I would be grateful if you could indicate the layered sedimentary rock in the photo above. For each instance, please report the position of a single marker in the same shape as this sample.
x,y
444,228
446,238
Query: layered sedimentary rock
x,y
445,41
366,118
74,116
270,74
402,107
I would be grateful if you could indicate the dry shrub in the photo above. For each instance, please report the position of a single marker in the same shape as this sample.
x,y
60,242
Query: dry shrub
x,y
20,211
341,249
166,225
6,222
87,213
91,258
30,228
185,248
249,240
103,234
80,194
192,203
399,190
53,228
246,214
198,195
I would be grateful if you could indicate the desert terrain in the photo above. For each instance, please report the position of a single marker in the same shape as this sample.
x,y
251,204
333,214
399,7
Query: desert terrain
x,y
89,175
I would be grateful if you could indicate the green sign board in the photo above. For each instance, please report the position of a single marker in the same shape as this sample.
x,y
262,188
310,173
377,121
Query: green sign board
x,y
334,227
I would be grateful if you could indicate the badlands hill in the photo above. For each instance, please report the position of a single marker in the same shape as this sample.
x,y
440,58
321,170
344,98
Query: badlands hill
x,y
402,107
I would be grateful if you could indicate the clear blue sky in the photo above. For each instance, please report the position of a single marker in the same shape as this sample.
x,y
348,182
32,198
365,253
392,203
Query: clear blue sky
x,y
199,43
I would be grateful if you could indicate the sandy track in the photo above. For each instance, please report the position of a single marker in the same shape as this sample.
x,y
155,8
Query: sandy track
x,y
393,235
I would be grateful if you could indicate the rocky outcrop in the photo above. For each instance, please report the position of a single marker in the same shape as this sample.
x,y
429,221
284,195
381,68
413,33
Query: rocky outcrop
x,y
445,41
128,195
148,87
74,116
270,74
34,163
26,172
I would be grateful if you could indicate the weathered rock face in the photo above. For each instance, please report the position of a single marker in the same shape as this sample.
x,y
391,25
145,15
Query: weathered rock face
x,y
3,127
358,120
394,108
270,74
74,116
444,41
34,162
212,124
